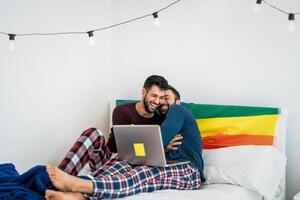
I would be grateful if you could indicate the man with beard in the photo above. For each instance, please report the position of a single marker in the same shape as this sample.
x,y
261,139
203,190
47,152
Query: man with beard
x,y
141,113
188,144
91,147
110,177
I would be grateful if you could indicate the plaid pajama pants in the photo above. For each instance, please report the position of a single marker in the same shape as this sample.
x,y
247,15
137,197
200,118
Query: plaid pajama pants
x,y
90,148
115,179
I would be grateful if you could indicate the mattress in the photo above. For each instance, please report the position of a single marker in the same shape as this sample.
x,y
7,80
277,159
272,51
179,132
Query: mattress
x,y
207,192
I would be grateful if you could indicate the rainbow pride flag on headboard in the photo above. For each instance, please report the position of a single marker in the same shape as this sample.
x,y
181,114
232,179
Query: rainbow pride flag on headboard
x,y
226,125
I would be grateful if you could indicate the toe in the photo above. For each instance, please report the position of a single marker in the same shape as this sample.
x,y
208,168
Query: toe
x,y
48,194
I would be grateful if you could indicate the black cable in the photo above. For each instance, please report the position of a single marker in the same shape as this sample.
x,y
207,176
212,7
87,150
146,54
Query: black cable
x,y
121,23
168,6
3,33
42,34
280,10
275,7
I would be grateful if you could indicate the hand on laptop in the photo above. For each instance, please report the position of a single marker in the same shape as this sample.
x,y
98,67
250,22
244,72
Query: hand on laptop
x,y
175,142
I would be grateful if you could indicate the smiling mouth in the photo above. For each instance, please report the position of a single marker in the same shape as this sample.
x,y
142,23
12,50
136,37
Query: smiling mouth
x,y
152,106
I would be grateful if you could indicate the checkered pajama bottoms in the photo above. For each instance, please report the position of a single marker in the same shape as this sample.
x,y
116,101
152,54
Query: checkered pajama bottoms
x,y
114,179
89,148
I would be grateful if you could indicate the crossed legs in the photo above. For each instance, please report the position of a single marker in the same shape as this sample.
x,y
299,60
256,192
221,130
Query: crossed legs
x,y
120,179
112,179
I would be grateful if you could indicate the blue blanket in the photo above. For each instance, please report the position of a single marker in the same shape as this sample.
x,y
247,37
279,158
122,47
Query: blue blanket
x,y
29,186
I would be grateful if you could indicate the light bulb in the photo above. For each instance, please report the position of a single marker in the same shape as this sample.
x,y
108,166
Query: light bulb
x,y
92,39
11,45
291,26
256,8
156,20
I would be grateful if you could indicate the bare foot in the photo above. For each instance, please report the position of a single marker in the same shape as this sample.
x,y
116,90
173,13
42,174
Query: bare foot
x,y
54,195
61,180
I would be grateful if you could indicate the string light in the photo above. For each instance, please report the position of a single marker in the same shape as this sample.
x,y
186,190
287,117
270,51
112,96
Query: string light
x,y
12,36
11,45
291,24
156,20
90,32
256,7
92,39
291,16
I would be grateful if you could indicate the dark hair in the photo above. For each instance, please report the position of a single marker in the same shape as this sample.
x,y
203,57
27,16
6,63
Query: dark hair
x,y
176,93
157,80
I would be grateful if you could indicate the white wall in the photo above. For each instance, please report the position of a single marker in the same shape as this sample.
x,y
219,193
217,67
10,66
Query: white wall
x,y
214,52
51,88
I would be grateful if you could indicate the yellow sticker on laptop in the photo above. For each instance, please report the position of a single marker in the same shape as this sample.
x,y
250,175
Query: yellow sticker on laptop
x,y
139,149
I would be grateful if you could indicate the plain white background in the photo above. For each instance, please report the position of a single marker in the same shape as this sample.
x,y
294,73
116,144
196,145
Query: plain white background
x,y
52,88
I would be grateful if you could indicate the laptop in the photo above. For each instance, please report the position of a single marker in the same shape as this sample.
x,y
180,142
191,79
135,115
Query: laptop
x,y
142,145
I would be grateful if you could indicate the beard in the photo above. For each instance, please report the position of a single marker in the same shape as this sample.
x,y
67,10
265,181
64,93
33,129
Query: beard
x,y
165,108
147,106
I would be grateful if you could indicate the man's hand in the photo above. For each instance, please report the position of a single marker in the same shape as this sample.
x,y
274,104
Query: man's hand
x,y
175,142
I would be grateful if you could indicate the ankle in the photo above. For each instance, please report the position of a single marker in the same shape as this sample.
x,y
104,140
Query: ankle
x,y
82,186
74,186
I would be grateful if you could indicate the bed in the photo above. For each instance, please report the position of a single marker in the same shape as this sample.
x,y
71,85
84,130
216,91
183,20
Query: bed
x,y
251,176
207,192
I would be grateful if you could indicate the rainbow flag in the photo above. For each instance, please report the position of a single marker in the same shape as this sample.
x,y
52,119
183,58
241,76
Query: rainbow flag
x,y
224,126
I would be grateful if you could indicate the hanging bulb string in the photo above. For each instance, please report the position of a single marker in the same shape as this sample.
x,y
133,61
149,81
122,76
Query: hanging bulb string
x,y
138,18
291,15
279,9
94,30
126,22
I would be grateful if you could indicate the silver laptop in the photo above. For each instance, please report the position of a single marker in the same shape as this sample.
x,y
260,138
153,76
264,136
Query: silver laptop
x,y
141,145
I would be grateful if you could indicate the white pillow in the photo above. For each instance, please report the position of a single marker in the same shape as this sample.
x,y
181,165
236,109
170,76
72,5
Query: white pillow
x,y
258,168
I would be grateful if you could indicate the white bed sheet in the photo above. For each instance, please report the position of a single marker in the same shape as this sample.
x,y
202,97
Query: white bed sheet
x,y
207,192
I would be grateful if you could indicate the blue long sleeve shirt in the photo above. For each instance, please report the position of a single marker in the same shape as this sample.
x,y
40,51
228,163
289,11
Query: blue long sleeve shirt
x,y
181,120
